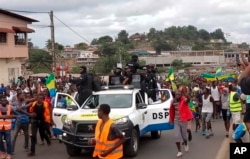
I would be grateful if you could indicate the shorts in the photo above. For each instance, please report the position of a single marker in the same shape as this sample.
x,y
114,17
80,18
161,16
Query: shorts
x,y
207,117
247,116
236,116
224,115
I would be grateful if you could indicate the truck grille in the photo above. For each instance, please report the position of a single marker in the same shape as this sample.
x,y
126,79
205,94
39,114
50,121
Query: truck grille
x,y
85,128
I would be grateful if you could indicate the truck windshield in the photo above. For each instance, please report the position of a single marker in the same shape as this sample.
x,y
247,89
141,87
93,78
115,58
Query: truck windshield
x,y
114,100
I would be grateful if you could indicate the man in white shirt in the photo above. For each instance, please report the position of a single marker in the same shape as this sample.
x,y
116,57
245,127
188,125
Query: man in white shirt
x,y
215,92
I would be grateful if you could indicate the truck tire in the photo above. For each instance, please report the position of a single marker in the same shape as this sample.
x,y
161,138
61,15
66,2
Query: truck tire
x,y
73,151
131,146
155,134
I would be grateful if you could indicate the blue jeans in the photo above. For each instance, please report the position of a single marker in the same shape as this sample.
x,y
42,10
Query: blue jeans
x,y
5,134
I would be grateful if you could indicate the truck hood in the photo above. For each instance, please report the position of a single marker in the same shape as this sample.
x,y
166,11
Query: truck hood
x,y
91,114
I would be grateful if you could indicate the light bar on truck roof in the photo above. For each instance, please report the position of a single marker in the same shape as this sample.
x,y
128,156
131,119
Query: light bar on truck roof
x,y
117,87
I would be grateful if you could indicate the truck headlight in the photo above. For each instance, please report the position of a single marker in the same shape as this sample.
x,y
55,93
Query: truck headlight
x,y
123,120
68,122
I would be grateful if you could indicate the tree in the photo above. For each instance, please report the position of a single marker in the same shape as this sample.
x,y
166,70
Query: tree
x,y
105,39
74,69
218,34
204,35
94,42
123,37
109,61
160,44
177,63
40,61
244,45
152,34
58,47
82,46
107,49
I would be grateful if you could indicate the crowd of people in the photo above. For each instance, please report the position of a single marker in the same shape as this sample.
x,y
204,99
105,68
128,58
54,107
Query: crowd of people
x,y
26,106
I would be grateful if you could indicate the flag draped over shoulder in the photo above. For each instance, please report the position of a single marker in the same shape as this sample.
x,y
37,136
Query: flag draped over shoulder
x,y
51,85
170,74
218,72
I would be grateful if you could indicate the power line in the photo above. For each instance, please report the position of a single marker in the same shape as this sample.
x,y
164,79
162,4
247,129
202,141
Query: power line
x,y
72,29
22,11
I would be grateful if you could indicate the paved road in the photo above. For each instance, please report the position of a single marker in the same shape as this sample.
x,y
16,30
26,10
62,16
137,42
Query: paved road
x,y
163,148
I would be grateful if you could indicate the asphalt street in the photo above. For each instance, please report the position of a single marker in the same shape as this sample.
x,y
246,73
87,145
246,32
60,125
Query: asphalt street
x,y
163,148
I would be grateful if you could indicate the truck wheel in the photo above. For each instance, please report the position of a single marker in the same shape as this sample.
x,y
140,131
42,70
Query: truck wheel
x,y
73,151
132,145
155,134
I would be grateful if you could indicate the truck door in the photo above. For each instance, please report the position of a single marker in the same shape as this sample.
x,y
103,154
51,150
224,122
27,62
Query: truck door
x,y
141,113
61,110
158,112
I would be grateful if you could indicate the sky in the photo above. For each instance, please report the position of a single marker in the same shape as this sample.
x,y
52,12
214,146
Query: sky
x,y
95,18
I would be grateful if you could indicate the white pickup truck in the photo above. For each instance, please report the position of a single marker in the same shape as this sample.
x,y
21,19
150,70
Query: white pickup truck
x,y
133,116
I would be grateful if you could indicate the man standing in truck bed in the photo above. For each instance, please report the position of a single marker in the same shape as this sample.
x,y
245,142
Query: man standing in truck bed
x,y
108,138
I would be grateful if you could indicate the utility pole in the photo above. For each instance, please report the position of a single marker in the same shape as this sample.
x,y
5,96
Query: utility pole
x,y
53,53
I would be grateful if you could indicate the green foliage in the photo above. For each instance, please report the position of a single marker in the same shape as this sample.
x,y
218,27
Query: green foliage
x,y
177,63
160,44
218,34
105,39
82,46
94,41
161,69
111,54
58,47
74,69
175,36
123,37
244,45
40,61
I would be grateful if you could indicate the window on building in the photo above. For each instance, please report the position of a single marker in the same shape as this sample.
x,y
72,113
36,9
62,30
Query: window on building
x,y
3,37
20,38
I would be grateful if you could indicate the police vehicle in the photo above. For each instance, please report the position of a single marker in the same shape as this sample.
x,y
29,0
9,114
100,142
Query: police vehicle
x,y
133,116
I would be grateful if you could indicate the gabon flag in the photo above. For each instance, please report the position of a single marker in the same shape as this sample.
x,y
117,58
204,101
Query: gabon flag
x,y
170,74
174,87
51,85
218,72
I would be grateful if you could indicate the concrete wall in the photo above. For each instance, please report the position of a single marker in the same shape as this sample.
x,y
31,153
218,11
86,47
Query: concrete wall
x,y
194,60
10,70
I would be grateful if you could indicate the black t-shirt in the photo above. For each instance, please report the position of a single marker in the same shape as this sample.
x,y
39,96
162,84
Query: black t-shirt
x,y
114,132
39,110
245,85
129,76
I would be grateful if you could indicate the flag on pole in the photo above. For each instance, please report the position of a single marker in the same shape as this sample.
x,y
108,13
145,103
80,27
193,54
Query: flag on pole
x,y
51,85
174,87
170,74
218,71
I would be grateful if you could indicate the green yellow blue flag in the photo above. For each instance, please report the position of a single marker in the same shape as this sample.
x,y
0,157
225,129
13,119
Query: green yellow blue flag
x,y
174,87
229,76
170,74
51,85
218,72
208,76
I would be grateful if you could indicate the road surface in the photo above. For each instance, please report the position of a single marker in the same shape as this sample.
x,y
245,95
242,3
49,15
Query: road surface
x,y
163,148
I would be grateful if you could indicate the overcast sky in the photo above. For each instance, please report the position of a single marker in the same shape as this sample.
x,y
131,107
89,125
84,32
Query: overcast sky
x,y
95,18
